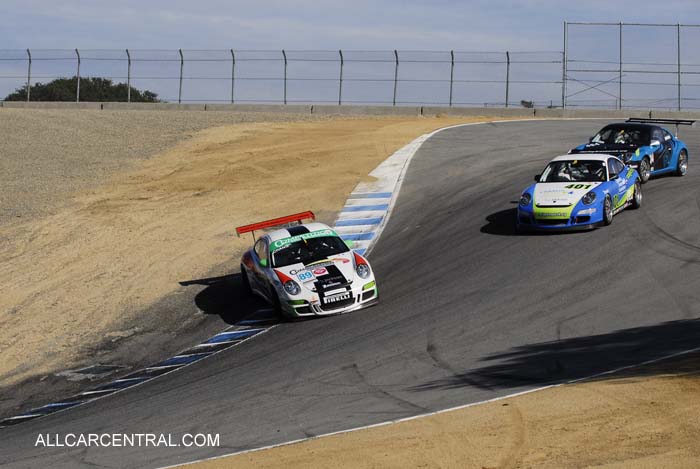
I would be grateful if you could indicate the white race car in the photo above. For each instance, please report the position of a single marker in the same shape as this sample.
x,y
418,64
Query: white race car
x,y
306,269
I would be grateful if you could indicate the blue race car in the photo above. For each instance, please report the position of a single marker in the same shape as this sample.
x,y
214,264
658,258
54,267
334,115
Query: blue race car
x,y
579,194
647,147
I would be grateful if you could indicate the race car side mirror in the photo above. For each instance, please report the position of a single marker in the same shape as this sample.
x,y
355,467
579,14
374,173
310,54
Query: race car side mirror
x,y
590,140
655,143
263,262
349,244
537,177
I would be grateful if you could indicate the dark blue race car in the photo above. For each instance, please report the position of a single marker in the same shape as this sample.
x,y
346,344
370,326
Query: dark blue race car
x,y
642,144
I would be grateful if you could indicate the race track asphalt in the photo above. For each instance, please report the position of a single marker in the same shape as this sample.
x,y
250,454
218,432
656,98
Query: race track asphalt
x,y
469,311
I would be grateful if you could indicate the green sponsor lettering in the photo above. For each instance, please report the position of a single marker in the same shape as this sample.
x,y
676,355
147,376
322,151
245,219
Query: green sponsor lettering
x,y
280,243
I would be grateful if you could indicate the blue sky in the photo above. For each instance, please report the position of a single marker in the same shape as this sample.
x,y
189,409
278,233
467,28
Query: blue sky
x,y
441,25
307,24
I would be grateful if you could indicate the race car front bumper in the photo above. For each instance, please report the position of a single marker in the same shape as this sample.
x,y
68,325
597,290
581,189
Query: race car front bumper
x,y
361,297
580,221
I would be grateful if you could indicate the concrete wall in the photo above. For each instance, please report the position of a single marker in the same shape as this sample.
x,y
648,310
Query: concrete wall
x,y
329,110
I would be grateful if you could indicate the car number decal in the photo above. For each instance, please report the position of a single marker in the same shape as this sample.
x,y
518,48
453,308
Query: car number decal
x,y
305,276
578,186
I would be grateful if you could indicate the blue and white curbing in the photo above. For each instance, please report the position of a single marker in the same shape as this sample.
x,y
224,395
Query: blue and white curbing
x,y
369,206
259,322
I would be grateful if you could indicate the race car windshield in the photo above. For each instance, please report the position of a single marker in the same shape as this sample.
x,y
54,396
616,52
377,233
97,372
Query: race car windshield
x,y
574,170
622,136
308,250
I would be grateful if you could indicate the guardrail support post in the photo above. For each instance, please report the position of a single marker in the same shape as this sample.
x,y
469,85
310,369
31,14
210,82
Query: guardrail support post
x,y
507,76
29,73
182,67
284,55
396,75
340,82
452,73
233,74
128,76
679,65
77,90
619,106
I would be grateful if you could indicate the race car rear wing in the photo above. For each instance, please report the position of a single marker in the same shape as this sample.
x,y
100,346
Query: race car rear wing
x,y
281,221
676,122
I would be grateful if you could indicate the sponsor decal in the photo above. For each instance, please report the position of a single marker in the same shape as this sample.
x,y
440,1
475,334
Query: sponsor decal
x,y
281,243
336,298
320,271
552,215
304,276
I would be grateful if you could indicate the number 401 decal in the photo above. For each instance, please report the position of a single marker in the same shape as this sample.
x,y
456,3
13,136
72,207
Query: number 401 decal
x,y
578,186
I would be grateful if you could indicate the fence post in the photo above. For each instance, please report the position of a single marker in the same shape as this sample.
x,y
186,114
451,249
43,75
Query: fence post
x,y
396,75
128,76
564,58
340,83
77,90
452,73
182,66
679,66
620,78
284,55
507,76
29,73
233,74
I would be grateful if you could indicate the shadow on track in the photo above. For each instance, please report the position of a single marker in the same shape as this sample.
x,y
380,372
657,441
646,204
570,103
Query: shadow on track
x,y
226,297
501,223
546,363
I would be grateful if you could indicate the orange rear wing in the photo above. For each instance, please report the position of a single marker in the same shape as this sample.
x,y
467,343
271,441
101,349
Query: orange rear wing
x,y
297,217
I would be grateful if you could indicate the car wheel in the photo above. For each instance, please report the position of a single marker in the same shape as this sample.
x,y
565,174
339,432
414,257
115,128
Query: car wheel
x,y
682,166
637,196
277,308
607,212
245,283
644,170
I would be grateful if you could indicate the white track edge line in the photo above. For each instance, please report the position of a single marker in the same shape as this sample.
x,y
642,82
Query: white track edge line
x,y
442,411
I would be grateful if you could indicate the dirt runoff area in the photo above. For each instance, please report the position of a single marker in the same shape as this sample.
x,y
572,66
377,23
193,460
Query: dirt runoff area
x,y
104,213
621,422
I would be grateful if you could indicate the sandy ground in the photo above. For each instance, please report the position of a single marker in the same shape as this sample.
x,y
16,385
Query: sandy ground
x,y
623,422
79,281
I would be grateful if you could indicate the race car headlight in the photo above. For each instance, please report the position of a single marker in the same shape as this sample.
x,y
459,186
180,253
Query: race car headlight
x,y
589,198
525,199
291,287
362,270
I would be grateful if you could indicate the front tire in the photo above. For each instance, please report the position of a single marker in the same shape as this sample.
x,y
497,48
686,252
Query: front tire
x,y
644,170
637,196
607,212
682,166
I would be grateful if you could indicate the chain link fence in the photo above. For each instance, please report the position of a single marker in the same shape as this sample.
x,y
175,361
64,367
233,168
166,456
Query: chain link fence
x,y
601,65
631,66
443,78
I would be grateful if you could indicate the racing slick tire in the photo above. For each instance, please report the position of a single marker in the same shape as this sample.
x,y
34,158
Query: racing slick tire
x,y
644,170
245,283
637,196
607,212
682,165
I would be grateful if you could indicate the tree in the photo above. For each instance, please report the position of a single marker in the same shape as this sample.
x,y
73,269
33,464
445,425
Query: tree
x,y
91,89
